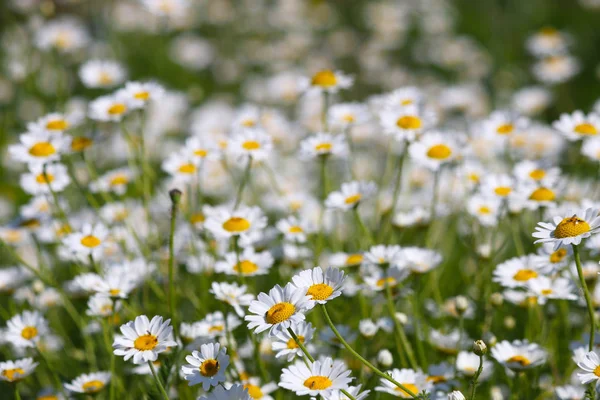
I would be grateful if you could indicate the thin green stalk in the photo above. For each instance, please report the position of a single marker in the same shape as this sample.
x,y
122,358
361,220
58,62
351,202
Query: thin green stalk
x,y
175,198
475,378
363,227
398,184
402,343
17,394
245,178
109,349
55,377
362,359
159,385
586,293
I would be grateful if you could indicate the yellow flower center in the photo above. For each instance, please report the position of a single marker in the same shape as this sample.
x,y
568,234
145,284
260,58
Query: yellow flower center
x,y
42,149
406,102
570,227
114,292
354,259
120,179
236,224
473,177
254,391
586,129
437,379
389,281
537,174
197,218
319,291
505,129
201,153
90,241
542,194
144,95
295,229
216,328
145,342
248,123
44,179
439,152
409,122
92,386
503,191
323,147
57,125
524,361
30,223
325,78
246,267
251,145
117,109
29,332
355,198
546,292
523,275
10,374
597,371
485,210
558,256
209,367
80,143
348,118
548,31
188,168
410,386
318,382
104,78
280,312
291,344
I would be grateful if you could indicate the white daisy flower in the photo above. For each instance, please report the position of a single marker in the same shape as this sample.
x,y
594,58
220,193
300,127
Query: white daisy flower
x,y
528,171
14,371
45,179
295,229
182,165
485,208
547,41
26,329
433,150
501,186
115,181
320,285
577,126
570,229
207,366
350,195
545,288
531,100
318,378
519,355
53,122
64,34
341,260
144,339
344,115
517,271
284,345
324,144
89,241
382,254
406,123
89,383
467,364
232,294
216,324
556,69
502,124
328,81
403,97
415,381
109,108
203,148
245,222
139,94
278,309
251,263
100,305
591,148
419,260
235,392
258,391
250,142
101,74
378,279
39,147
550,260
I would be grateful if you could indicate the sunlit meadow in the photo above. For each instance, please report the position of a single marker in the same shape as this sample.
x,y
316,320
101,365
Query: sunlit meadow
x,y
281,199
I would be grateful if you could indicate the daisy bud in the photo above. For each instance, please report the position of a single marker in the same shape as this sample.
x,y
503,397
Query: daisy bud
x,y
402,318
456,395
479,348
38,286
461,304
175,195
385,358
497,299
367,328
509,322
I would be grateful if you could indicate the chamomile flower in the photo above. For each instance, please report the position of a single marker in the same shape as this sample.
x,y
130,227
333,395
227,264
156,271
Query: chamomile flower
x,y
519,355
39,147
144,339
101,74
341,260
207,366
591,148
569,229
501,186
419,260
251,263
406,123
321,377
100,305
232,294
433,150
250,142
550,260
345,115
110,108
517,271
570,392
320,285
295,229
14,371
590,364
115,181
89,241
502,124
403,97
324,144
485,208
383,255
328,81
53,122
284,345
90,384
203,148
279,309
245,222
182,165
534,172
139,94
531,100
65,34
258,391
467,364
415,381
216,324
545,288
379,279
26,329
547,41
556,69
350,195
45,179
577,126
235,392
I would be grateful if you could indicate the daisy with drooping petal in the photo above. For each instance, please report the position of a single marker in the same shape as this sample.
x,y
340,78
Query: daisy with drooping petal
x,y
101,74
415,381
14,371
350,195
26,329
321,377
207,366
144,339
323,144
39,147
251,263
45,179
433,150
89,383
550,260
570,229
245,222
235,392
578,126
519,355
590,364
250,142
232,294
320,285
284,345
278,309
328,81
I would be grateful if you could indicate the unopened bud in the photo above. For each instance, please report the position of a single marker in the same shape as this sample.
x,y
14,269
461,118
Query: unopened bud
x,y
461,304
497,299
479,348
509,322
385,358
175,195
402,318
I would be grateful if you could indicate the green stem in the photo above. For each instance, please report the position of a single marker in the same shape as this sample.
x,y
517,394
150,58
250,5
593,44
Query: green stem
x,y
402,344
111,354
245,178
398,184
52,371
175,197
17,394
360,358
362,226
158,382
475,378
586,293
